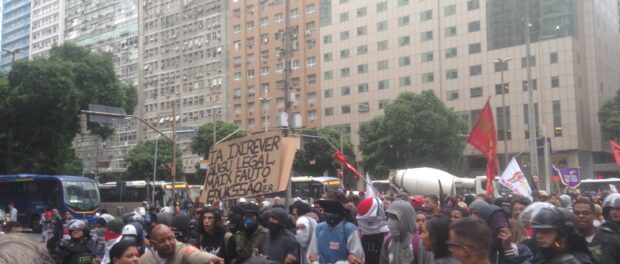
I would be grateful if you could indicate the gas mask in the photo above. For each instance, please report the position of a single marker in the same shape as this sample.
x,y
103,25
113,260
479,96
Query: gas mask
x,y
333,219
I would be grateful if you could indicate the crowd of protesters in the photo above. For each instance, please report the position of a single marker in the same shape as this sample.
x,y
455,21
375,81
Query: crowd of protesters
x,y
340,228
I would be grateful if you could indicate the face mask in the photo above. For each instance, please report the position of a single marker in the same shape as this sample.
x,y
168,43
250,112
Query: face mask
x,y
393,226
302,236
274,228
250,225
333,219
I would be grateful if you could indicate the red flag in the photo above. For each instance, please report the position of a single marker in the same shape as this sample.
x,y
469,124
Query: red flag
x,y
484,138
615,148
342,159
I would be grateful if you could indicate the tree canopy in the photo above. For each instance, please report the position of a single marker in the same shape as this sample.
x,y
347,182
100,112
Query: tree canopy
x,y
609,117
141,158
203,141
315,157
40,102
416,130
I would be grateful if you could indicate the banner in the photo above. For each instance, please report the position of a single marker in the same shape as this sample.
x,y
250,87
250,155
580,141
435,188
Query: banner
x,y
513,179
570,177
484,138
615,148
249,166
343,160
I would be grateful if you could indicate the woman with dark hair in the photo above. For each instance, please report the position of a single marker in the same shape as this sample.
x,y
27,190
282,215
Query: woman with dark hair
x,y
434,235
212,235
124,252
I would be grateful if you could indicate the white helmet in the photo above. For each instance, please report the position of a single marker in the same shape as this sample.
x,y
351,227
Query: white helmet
x,y
107,217
129,230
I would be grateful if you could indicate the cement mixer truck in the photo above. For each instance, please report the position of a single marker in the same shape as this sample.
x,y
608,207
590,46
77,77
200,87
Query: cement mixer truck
x,y
425,181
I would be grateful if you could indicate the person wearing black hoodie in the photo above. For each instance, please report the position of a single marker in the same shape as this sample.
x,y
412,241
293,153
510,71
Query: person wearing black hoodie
x,y
212,235
280,244
502,249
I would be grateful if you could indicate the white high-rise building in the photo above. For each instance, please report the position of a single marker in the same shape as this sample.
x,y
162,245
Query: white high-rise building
x,y
46,26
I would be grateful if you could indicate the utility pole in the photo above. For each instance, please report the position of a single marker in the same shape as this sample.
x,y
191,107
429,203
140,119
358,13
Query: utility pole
x,y
288,89
154,173
9,136
531,124
174,157
504,65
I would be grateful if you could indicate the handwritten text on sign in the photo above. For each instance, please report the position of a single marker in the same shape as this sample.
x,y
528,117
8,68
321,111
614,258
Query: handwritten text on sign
x,y
245,167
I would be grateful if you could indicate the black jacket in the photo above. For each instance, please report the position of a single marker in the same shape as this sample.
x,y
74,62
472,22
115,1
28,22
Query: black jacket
x,y
605,248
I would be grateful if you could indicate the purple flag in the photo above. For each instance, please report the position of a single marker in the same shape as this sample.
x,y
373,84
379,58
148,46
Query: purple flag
x,y
570,177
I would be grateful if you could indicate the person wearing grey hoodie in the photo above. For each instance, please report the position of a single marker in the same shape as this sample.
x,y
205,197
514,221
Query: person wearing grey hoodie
x,y
566,202
401,223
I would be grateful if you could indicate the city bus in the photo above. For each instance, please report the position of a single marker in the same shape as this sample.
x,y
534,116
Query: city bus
x,y
123,197
32,193
383,186
313,188
593,186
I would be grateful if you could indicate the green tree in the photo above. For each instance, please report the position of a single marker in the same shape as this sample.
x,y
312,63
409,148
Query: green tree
x,y
316,156
416,130
609,117
40,103
141,158
202,142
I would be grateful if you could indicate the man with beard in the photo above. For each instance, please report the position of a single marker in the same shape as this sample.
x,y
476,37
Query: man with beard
x,y
401,223
335,239
605,248
166,249
280,244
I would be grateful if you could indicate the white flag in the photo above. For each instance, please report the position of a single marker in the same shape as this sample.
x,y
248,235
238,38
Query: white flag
x,y
513,179
370,192
613,188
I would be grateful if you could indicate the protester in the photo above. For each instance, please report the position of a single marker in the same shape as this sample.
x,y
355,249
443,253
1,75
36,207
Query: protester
x,y
457,213
277,202
79,249
183,232
305,224
113,234
421,255
335,239
470,241
434,235
99,237
518,204
249,242
12,212
372,223
19,249
566,202
502,249
166,249
476,205
124,252
604,247
56,224
280,244
431,204
187,205
401,223
212,235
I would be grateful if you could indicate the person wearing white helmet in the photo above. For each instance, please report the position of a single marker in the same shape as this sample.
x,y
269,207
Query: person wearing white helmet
x,y
133,232
79,249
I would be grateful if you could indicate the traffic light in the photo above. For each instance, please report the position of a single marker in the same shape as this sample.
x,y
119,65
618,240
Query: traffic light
x,y
83,124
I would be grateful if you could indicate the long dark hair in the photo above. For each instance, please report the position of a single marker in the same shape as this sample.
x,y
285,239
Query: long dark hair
x,y
438,227
218,227
119,248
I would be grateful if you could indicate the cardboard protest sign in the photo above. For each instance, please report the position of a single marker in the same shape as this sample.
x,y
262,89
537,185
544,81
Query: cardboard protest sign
x,y
249,166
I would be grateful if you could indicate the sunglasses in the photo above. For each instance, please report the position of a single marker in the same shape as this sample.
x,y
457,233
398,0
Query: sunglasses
x,y
455,245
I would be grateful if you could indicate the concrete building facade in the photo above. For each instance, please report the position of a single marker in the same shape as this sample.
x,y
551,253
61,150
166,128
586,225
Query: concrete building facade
x,y
373,50
46,27
256,63
182,66
15,31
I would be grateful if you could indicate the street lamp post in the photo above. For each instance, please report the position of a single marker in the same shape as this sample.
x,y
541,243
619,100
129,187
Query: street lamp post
x,y
504,64
154,173
531,124
9,136
265,100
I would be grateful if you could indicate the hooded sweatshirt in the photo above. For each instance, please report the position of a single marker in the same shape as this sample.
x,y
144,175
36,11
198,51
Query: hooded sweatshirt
x,y
373,227
398,249
497,218
280,241
566,202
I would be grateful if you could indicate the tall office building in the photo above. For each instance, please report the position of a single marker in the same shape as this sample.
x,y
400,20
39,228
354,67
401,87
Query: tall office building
x,y
373,50
256,63
15,31
46,27
106,26
182,51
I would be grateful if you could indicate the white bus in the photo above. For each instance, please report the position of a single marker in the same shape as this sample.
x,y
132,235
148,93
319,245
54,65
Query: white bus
x,y
119,198
592,186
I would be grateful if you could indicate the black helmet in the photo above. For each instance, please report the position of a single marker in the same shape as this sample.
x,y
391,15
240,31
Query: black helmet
x,y
133,217
611,201
249,208
79,225
555,218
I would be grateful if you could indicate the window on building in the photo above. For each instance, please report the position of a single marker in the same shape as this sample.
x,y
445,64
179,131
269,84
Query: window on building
x,y
450,31
383,84
449,10
327,56
362,68
264,71
473,26
404,41
498,88
249,25
403,2
363,107
404,61
526,118
427,56
452,74
327,39
345,72
361,50
236,76
555,81
383,65
345,90
382,45
428,77
381,26
328,93
345,109
534,84
475,48
553,57
362,87
329,111
452,95
294,13
383,103
309,9
532,61
312,115
311,79
362,11
426,36
344,17
403,21
278,18
251,73
344,53
503,133
475,70
361,31
473,5
344,35
404,81
426,15
557,119
381,6
500,66
328,75
264,21
236,29
451,53
311,61
475,92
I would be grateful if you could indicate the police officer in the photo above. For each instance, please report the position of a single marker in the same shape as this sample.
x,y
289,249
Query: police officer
x,y
79,249
611,212
556,236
